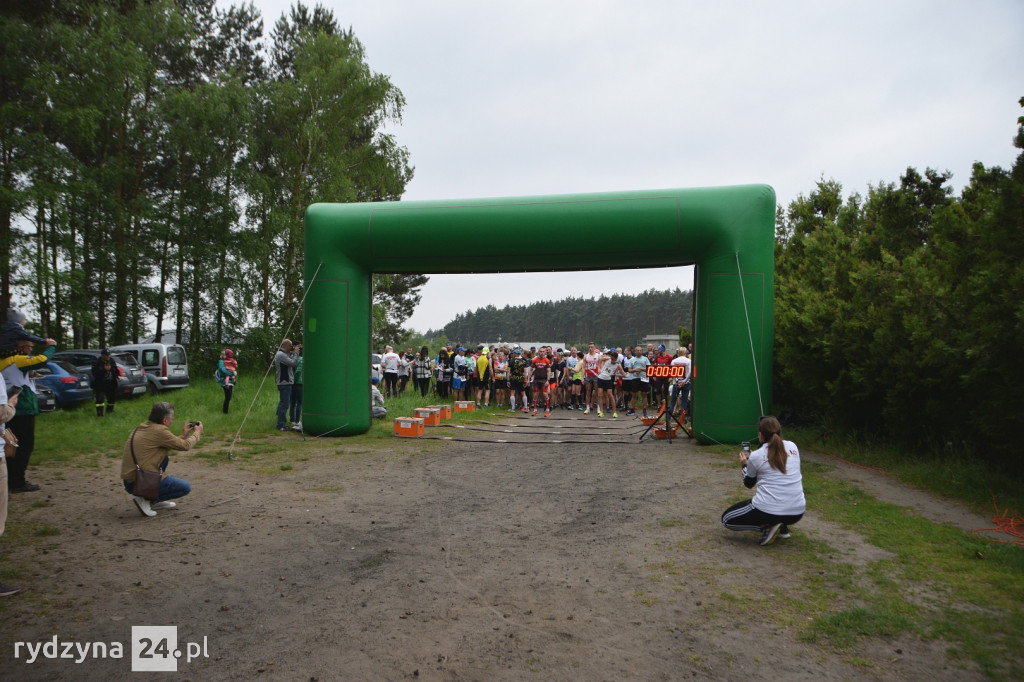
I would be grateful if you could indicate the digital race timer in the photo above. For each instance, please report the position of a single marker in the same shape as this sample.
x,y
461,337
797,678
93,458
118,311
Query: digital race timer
x,y
666,371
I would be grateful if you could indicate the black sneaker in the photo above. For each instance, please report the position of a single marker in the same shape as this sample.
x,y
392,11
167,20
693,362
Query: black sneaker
x,y
25,487
8,590
784,532
769,534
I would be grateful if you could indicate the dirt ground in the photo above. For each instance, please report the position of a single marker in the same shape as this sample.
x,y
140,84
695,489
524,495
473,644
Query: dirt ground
x,y
432,560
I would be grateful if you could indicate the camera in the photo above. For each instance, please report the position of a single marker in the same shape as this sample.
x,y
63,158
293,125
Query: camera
x,y
192,425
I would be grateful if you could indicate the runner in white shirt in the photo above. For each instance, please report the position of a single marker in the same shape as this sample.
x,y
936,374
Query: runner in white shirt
x,y
590,370
609,371
680,388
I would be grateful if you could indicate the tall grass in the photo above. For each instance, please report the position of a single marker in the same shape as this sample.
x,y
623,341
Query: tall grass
x,y
69,433
951,474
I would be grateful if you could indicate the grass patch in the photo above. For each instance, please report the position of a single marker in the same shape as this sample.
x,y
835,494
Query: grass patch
x,y
942,583
950,474
60,434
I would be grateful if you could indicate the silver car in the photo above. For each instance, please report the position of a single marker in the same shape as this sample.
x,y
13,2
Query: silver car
x,y
131,376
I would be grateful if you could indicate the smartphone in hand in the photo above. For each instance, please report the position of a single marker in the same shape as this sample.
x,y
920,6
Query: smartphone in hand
x,y
13,391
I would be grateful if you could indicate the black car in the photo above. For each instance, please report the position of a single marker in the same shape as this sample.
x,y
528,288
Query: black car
x,y
46,398
132,379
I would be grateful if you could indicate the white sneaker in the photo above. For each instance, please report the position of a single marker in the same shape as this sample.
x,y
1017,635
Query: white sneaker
x,y
586,410
163,505
144,506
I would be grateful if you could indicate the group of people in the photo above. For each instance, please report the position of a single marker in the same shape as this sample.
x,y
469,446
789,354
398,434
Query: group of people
x,y
18,410
602,380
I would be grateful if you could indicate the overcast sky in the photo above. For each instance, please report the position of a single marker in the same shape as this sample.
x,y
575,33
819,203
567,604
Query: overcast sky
x,y
553,97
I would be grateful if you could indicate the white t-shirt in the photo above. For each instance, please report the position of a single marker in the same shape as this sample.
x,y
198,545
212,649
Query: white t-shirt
x,y
684,361
777,492
608,369
390,363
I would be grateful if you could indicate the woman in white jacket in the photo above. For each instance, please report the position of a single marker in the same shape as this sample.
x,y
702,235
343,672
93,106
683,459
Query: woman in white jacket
x,y
779,500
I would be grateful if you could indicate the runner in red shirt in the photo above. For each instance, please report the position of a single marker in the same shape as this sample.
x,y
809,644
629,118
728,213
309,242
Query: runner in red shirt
x,y
659,385
541,369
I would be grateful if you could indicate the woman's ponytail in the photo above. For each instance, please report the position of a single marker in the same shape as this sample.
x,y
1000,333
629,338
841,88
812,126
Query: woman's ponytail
x,y
771,434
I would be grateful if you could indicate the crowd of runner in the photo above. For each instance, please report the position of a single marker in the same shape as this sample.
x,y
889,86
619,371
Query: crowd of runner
x,y
594,380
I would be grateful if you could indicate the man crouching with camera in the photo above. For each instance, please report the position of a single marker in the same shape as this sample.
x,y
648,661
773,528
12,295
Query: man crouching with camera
x,y
147,448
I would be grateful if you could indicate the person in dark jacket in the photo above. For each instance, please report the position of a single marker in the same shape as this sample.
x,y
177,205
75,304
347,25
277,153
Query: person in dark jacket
x,y
284,369
104,382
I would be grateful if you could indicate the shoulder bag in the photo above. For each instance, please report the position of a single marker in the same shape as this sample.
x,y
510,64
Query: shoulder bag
x,y
10,443
147,483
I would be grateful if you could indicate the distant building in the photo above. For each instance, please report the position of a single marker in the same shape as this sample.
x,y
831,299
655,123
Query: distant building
x,y
525,344
168,336
670,341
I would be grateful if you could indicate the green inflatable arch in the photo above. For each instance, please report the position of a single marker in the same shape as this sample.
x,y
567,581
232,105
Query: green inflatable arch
x,y
726,232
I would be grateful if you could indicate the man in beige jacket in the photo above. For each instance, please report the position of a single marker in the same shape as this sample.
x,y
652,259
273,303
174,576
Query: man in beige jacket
x,y
151,442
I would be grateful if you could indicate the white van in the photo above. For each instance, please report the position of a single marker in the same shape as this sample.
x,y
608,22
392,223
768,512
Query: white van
x,y
166,364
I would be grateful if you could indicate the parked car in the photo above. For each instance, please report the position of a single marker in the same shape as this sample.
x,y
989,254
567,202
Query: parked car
x,y
46,398
69,386
132,379
166,364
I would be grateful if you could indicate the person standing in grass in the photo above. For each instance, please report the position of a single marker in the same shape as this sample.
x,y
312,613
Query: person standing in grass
x,y
779,500
389,363
104,382
460,378
284,371
23,424
227,373
295,407
444,373
483,376
421,371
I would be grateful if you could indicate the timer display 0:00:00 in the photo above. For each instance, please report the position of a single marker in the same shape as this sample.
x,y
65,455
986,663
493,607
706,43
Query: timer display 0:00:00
x,y
666,371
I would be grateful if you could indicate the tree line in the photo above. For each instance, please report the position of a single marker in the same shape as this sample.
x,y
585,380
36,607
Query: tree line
x,y
157,157
899,315
615,320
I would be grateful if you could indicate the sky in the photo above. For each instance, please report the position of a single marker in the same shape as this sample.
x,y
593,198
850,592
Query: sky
x,y
563,97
